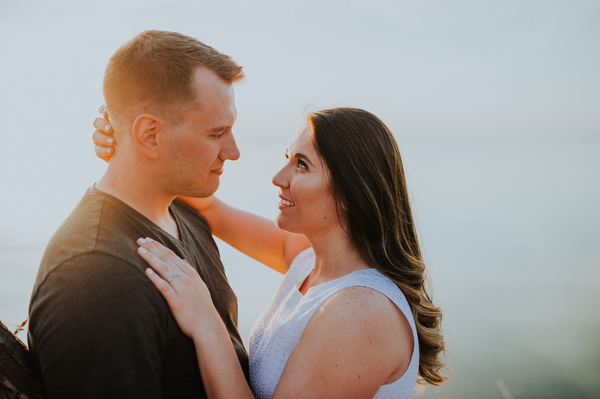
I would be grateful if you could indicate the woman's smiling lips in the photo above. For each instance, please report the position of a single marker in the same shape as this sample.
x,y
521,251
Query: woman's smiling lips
x,y
285,203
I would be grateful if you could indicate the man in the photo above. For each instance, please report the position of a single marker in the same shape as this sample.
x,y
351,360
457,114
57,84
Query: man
x,y
98,327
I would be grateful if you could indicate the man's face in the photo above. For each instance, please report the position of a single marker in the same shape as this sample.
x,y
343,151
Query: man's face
x,y
196,149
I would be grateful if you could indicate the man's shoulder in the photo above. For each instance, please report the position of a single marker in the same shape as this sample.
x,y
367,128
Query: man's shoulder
x,y
190,217
97,229
78,233
193,227
92,271
195,231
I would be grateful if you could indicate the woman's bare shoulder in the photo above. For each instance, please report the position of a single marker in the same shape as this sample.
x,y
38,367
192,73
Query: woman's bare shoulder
x,y
366,307
357,341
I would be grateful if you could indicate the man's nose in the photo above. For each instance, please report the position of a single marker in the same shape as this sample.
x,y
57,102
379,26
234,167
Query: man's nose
x,y
230,150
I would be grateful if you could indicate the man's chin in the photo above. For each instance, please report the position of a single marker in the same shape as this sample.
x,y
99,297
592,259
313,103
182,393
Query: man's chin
x,y
202,192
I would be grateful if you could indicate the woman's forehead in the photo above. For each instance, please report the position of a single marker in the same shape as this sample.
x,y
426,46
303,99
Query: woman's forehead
x,y
302,142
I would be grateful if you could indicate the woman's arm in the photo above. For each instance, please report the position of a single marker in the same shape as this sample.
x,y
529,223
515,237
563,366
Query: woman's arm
x,y
253,235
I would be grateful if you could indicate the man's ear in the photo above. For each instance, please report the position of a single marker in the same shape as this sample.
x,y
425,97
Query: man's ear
x,y
144,131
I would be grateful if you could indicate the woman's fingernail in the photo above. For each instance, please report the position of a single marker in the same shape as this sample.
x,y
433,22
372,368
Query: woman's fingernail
x,y
141,240
108,151
143,250
110,140
149,272
148,239
107,128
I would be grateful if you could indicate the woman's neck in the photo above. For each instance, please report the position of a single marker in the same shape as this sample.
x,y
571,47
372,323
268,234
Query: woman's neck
x,y
335,257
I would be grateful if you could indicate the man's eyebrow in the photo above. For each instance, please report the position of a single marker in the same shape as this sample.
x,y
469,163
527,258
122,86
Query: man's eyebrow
x,y
219,128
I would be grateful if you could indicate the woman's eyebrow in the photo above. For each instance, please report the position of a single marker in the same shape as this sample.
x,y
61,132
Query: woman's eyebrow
x,y
303,157
298,155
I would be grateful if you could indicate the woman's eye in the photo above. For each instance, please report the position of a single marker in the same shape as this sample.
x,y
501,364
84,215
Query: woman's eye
x,y
302,164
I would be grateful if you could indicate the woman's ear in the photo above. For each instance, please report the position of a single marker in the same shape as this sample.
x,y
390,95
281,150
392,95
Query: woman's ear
x,y
144,133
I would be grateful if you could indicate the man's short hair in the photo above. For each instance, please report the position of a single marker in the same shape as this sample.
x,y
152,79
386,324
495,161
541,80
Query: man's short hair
x,y
153,73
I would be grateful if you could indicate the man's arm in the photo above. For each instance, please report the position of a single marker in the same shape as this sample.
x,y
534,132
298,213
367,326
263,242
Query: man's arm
x,y
97,329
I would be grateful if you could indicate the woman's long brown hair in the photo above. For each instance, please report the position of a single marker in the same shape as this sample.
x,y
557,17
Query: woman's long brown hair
x,y
367,179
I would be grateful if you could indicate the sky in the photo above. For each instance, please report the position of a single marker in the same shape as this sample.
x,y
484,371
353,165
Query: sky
x,y
432,70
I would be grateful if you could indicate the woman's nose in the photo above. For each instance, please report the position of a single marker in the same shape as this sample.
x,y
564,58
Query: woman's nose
x,y
280,179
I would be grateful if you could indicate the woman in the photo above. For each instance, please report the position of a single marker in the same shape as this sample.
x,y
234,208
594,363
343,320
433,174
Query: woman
x,y
352,317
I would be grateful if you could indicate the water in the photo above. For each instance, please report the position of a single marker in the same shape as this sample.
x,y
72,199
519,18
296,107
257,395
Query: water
x,y
509,230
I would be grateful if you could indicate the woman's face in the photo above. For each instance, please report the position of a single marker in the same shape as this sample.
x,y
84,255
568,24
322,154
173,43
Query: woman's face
x,y
307,205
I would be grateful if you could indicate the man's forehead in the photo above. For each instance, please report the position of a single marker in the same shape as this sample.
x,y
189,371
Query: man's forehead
x,y
205,79
218,100
215,106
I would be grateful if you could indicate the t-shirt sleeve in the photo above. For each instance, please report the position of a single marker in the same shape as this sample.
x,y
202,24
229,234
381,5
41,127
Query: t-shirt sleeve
x,y
98,329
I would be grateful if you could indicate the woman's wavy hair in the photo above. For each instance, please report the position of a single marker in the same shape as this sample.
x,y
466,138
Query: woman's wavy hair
x,y
367,180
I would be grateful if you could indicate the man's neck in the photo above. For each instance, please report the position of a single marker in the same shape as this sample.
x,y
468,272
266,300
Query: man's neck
x,y
140,192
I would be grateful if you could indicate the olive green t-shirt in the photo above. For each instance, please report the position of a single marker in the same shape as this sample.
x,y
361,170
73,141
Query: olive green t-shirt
x,y
98,327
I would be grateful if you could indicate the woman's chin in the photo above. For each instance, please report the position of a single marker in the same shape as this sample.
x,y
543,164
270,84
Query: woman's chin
x,y
283,224
279,222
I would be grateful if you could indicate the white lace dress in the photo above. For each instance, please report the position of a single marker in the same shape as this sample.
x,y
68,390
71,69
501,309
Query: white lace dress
x,y
278,330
